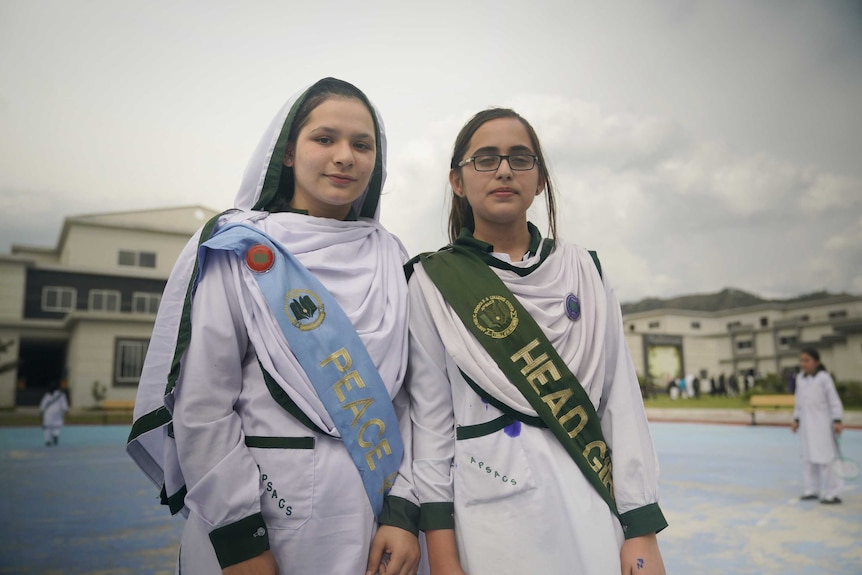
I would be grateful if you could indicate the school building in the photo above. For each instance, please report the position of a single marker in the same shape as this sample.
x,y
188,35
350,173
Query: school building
x,y
82,312
762,339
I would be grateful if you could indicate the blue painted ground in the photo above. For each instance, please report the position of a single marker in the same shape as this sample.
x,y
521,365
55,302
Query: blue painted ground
x,y
729,492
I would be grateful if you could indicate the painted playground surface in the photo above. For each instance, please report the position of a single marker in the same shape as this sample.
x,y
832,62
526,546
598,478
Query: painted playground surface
x,y
729,492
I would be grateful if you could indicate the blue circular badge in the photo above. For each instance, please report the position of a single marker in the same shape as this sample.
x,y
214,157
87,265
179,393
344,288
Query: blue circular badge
x,y
573,307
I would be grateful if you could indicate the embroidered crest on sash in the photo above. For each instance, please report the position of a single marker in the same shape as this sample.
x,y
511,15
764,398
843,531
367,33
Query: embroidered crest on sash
x,y
304,309
495,316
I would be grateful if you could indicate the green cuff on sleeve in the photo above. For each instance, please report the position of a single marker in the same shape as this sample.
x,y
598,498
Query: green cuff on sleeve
x,y
643,521
398,512
240,541
437,516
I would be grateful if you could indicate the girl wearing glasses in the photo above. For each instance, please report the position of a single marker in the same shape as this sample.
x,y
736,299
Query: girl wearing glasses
x,y
282,343
532,452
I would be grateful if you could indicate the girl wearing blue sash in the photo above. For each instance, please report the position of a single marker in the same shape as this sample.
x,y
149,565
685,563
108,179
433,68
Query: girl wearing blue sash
x,y
532,452
270,410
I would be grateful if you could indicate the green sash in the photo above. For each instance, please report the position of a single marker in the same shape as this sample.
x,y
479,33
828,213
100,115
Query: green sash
x,y
517,344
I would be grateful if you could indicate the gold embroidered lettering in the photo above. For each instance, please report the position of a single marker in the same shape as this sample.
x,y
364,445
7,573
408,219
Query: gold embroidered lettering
x,y
596,463
357,412
524,355
381,447
345,382
578,412
556,400
388,482
378,423
539,373
341,358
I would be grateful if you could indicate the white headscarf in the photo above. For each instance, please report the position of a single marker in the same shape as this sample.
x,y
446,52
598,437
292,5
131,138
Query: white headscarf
x,y
258,193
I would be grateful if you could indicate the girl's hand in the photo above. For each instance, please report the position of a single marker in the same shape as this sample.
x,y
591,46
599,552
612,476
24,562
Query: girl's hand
x,y
394,551
263,564
837,427
794,426
641,556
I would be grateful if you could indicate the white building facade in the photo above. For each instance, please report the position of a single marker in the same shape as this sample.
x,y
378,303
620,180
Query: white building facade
x,y
762,339
81,313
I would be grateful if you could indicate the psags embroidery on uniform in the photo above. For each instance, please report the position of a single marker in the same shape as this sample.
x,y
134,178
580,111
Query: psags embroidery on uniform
x,y
493,473
304,309
273,491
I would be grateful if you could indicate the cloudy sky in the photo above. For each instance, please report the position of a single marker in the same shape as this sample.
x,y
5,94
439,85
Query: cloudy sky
x,y
695,145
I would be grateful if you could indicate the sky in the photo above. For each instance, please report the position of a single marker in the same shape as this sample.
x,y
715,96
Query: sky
x,y
696,145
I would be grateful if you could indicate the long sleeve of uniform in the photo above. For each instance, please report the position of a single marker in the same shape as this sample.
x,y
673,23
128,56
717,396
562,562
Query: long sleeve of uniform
x,y
221,476
432,411
626,431
836,408
401,505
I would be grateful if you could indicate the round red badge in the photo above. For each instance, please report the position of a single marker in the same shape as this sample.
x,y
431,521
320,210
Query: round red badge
x,y
259,258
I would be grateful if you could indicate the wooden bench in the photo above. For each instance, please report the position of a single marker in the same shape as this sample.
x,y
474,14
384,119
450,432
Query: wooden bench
x,y
118,404
777,401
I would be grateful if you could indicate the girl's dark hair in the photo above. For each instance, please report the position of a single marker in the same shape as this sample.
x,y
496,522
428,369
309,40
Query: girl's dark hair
x,y
460,213
317,94
815,355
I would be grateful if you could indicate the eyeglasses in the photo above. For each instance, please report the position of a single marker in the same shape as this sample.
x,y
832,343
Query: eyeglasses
x,y
490,162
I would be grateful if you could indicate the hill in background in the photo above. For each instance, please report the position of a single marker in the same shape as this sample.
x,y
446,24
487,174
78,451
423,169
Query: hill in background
x,y
728,298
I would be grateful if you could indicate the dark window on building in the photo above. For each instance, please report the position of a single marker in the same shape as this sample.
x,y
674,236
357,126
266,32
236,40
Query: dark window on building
x,y
147,259
145,302
838,314
56,298
631,327
695,325
104,300
654,324
734,324
127,258
787,340
129,361
803,318
139,259
764,321
744,344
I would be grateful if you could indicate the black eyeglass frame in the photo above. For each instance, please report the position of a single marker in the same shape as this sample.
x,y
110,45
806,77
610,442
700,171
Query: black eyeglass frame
x,y
500,158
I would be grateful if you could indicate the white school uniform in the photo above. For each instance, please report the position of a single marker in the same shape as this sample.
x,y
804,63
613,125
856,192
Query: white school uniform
x,y
521,504
816,407
317,515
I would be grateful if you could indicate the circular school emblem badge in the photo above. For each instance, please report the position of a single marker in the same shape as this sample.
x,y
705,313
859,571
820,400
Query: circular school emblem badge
x,y
573,307
259,258
495,316
304,309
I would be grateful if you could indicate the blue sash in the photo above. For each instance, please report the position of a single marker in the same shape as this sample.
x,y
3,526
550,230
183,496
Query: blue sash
x,y
330,352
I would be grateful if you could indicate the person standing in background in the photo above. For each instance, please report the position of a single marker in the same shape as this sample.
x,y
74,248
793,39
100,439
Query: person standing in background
x,y
817,413
53,406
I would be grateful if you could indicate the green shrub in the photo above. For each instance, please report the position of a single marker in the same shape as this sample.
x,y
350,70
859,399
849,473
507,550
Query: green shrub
x,y
850,393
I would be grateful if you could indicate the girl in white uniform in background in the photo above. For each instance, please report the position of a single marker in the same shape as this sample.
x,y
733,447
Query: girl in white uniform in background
x,y
817,415
243,441
499,493
53,406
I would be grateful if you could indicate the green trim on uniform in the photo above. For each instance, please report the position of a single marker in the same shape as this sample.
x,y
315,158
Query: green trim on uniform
x,y
398,512
516,343
483,429
513,413
262,442
595,256
283,399
437,516
240,541
175,502
483,250
643,521
184,333
148,422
